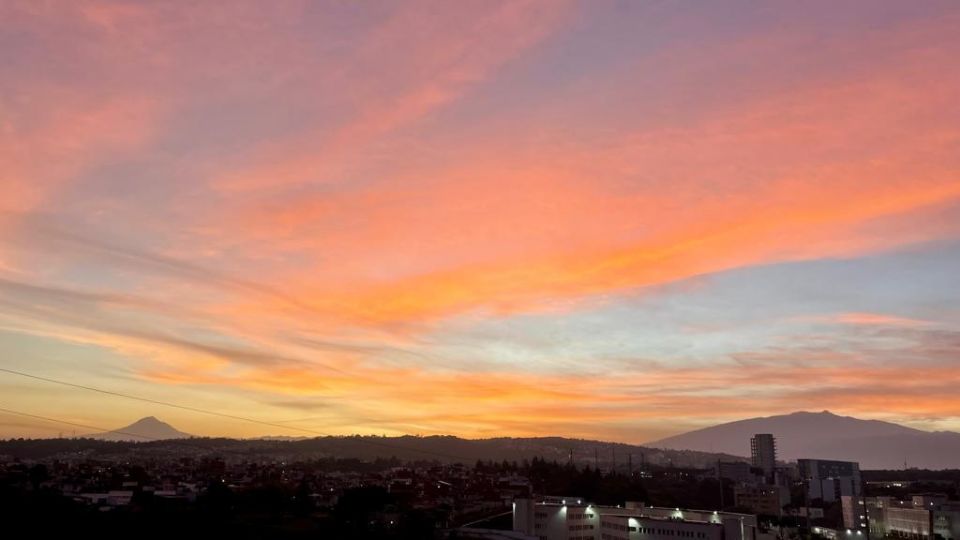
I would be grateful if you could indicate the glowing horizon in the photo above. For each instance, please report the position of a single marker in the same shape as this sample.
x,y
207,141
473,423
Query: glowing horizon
x,y
614,220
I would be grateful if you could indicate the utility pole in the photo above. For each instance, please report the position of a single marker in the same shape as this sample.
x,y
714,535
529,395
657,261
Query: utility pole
x,y
866,513
630,465
596,458
720,481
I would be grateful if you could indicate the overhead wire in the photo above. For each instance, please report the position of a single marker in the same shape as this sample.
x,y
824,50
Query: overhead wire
x,y
201,410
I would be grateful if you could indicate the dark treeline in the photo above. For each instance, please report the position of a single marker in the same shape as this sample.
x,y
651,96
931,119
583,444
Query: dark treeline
x,y
655,485
270,509
912,475
901,484
442,448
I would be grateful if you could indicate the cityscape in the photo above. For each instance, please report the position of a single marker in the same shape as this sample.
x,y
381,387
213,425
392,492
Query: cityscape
x,y
480,269
407,488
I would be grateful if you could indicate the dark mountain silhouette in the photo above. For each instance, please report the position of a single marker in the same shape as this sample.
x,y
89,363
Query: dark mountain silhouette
x,y
407,448
145,429
875,444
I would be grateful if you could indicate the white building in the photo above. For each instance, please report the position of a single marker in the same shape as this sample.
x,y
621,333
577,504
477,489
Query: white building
x,y
573,518
921,518
490,534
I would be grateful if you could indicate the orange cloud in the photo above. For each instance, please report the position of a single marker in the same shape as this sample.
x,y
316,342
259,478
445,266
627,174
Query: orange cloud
x,y
512,404
55,137
438,55
877,319
513,236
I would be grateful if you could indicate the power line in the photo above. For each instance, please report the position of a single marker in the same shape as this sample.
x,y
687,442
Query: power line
x,y
74,424
213,413
158,402
187,443
176,442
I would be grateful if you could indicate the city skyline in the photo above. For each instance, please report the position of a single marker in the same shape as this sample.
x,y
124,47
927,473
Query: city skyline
x,y
611,220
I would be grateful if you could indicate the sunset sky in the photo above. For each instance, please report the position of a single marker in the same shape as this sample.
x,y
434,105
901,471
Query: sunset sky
x,y
613,220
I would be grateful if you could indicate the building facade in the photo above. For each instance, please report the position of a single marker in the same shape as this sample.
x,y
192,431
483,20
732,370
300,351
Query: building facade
x,y
829,480
766,500
572,518
763,454
740,472
923,517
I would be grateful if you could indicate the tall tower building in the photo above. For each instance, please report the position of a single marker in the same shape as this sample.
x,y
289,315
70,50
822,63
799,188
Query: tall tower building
x,y
763,452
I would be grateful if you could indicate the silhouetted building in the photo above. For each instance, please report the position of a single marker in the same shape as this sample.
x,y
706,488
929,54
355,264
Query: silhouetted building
x,y
737,471
767,500
829,480
763,453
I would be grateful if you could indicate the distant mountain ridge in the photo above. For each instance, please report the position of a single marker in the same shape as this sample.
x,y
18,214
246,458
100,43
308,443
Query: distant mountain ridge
x,y
145,429
153,435
278,438
873,443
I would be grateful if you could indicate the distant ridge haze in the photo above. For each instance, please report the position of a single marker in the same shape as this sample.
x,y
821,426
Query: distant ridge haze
x,y
873,443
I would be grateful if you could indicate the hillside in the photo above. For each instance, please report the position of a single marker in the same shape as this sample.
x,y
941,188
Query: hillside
x,y
875,444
